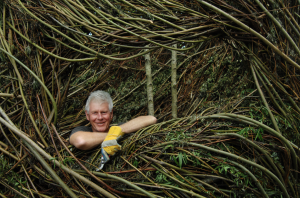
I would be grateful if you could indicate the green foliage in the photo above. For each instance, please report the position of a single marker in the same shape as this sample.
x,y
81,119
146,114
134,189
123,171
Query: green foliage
x,y
180,159
225,74
176,135
12,178
4,165
5,78
52,160
136,163
69,160
257,131
161,178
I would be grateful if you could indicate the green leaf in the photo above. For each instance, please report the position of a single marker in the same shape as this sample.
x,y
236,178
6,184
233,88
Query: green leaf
x,y
226,168
180,156
135,163
251,115
185,158
53,161
175,160
168,146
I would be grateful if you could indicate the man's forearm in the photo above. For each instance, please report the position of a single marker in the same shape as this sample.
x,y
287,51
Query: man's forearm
x,y
87,140
138,123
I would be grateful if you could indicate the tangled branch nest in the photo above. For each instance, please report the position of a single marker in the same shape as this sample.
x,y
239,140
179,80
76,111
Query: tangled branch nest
x,y
237,131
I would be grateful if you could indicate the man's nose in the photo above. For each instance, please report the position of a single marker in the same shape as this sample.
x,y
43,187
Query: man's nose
x,y
99,116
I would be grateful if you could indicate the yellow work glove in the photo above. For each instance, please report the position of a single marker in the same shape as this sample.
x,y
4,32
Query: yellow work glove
x,y
110,144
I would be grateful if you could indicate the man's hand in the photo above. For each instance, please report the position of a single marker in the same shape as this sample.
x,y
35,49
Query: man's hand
x,y
110,144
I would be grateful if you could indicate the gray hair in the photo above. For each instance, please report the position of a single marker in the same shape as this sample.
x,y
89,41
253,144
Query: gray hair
x,y
99,96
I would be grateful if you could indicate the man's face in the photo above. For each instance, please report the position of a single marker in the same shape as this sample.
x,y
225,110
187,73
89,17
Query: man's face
x,y
99,116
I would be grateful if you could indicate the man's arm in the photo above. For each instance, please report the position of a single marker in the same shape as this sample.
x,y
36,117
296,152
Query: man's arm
x,y
88,140
138,123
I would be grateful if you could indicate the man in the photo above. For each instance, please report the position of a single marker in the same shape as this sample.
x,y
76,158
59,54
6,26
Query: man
x,y
99,111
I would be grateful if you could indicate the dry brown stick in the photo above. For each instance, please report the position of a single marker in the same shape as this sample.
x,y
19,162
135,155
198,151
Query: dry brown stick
x,y
174,82
46,121
15,163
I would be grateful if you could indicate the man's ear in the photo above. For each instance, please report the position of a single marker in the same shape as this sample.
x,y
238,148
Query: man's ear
x,y
87,116
112,114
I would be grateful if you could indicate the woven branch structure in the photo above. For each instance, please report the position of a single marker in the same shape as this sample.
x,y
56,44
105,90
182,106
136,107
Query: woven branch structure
x,y
222,78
